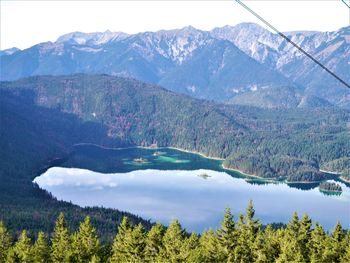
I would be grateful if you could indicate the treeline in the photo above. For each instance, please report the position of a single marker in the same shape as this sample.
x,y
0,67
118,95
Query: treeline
x,y
242,240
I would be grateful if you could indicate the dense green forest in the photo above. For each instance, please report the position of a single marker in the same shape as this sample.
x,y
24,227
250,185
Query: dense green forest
x,y
43,117
241,240
291,144
33,139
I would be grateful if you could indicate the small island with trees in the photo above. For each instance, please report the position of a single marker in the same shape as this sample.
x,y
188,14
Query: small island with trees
x,y
329,187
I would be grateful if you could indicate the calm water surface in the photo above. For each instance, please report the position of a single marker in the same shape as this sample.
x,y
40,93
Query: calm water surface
x,y
167,184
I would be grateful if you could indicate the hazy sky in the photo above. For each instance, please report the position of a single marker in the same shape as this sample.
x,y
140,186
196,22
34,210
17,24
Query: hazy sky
x,y
25,23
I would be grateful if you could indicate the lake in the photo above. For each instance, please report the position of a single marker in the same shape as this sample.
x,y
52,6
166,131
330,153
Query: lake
x,y
164,184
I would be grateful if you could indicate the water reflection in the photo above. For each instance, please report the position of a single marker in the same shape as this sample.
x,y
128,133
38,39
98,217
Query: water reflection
x,y
196,197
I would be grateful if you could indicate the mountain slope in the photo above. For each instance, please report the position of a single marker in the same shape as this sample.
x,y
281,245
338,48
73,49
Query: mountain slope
x,y
33,138
135,113
282,97
169,58
198,63
220,71
9,51
330,48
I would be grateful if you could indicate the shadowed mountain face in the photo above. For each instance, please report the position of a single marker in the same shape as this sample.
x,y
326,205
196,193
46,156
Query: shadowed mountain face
x,y
221,64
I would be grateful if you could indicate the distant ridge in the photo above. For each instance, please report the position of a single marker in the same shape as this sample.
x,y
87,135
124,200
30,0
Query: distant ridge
x,y
220,64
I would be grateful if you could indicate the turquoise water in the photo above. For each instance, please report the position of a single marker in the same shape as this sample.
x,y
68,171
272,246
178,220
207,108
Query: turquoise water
x,y
173,184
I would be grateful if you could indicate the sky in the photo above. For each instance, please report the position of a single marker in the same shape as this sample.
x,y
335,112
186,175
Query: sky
x,y
25,23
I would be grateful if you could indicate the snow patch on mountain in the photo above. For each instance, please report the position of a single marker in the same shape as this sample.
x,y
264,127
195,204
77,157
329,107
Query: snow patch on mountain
x,y
97,38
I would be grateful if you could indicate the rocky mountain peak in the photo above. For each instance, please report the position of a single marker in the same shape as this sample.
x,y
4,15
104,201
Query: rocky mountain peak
x,y
96,38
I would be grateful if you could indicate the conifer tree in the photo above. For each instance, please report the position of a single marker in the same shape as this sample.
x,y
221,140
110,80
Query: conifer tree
x,y
242,250
290,245
227,235
41,250
317,244
241,242
293,226
240,222
259,249
135,245
119,248
252,224
153,242
210,249
172,243
248,227
190,249
23,248
272,243
85,242
338,233
305,236
61,242
335,247
5,242
345,258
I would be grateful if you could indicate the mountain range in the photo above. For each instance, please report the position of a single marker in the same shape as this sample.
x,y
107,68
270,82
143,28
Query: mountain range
x,y
243,64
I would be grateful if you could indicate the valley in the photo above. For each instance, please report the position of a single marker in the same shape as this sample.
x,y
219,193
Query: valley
x,y
129,135
57,112
181,185
266,143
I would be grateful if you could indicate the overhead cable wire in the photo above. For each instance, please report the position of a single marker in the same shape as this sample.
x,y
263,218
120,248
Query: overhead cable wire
x,y
345,3
292,42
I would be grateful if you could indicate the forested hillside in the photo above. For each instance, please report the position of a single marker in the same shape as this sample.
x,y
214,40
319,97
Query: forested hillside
x,y
32,139
269,143
240,240
42,117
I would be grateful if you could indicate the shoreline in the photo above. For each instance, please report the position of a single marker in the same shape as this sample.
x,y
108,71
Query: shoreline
x,y
243,173
249,176
194,152
102,147
181,150
329,172
222,165
271,180
344,179
303,182
340,177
